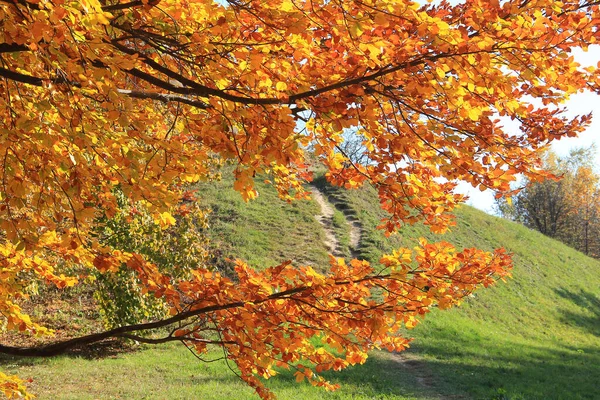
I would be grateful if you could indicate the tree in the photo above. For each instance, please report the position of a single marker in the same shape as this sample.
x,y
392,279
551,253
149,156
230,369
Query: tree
x,y
140,97
566,208
544,205
585,197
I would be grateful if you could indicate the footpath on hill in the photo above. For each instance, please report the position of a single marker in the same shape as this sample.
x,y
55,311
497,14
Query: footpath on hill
x,y
416,367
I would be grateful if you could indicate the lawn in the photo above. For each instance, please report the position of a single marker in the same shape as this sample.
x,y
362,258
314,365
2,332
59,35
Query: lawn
x,y
536,336
171,372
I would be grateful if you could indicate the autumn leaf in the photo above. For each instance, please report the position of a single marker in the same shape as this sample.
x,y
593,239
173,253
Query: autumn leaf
x,y
113,106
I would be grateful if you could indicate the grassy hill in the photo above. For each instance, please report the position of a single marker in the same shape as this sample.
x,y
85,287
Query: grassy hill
x,y
535,337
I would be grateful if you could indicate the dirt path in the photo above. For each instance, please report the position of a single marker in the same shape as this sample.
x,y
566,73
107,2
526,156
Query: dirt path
x,y
355,234
421,373
405,360
326,220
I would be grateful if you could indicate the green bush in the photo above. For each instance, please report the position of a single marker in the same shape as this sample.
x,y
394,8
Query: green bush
x,y
175,251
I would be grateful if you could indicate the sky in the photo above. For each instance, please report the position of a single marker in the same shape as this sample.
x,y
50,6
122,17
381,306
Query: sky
x,y
579,104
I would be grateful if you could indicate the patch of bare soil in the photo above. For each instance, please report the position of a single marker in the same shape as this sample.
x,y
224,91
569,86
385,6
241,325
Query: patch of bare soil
x,y
325,218
422,374
69,313
407,360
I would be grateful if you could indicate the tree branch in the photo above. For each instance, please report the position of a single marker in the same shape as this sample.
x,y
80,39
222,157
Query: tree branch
x,y
123,6
18,77
12,47
57,348
170,338
191,88
196,89
164,97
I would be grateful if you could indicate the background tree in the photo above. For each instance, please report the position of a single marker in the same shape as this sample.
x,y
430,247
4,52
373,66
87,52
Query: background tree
x,y
141,96
542,206
565,208
353,147
584,195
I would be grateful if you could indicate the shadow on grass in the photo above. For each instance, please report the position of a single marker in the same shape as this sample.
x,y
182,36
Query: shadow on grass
x,y
383,376
588,320
503,370
109,348
447,367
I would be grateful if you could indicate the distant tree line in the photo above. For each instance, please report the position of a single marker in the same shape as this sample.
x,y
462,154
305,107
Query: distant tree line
x,y
568,208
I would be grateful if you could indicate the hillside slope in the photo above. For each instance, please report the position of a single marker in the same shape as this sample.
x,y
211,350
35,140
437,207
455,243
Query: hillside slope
x,y
536,336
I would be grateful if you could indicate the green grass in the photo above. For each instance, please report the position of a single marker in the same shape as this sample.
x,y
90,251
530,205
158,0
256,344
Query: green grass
x,y
535,337
342,232
266,231
170,372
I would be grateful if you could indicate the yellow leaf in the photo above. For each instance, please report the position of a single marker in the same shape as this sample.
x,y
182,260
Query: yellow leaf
x,y
440,73
474,114
166,220
287,6
356,30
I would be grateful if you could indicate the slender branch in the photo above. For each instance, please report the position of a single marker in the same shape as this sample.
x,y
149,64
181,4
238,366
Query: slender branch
x,y
200,90
170,338
35,80
12,47
16,76
164,97
123,6
57,348
190,86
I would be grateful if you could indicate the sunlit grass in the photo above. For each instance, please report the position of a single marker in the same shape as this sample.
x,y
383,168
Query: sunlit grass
x,y
536,336
170,372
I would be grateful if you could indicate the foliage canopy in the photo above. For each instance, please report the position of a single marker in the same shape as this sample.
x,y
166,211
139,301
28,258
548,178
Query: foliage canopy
x,y
143,97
